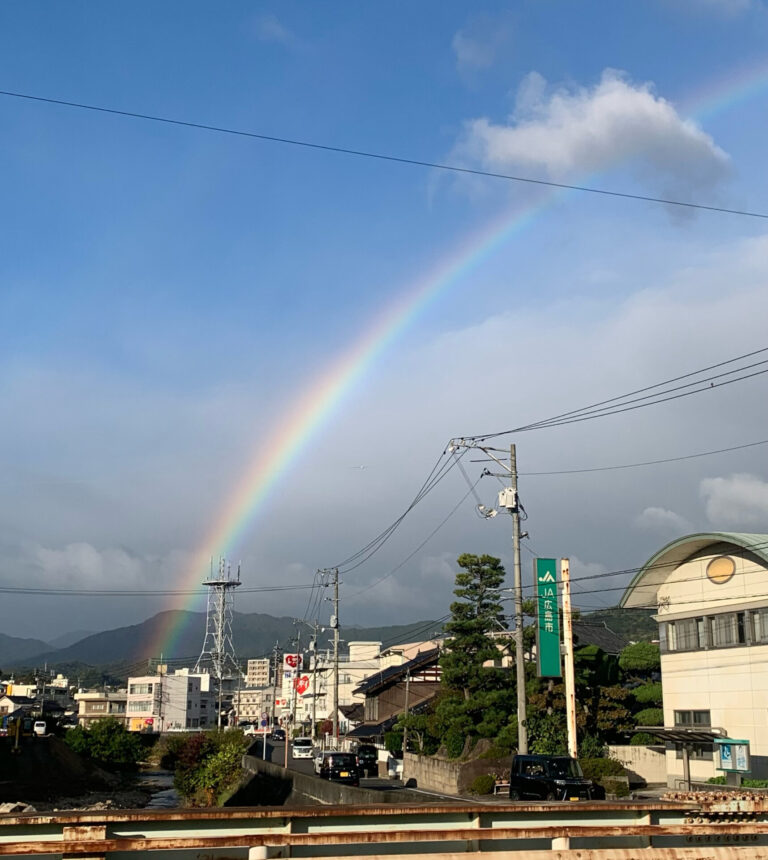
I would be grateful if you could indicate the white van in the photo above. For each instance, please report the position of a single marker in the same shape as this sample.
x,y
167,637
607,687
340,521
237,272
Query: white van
x,y
40,728
302,748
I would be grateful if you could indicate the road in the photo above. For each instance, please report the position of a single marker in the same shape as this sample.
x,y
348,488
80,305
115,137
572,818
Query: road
x,y
276,754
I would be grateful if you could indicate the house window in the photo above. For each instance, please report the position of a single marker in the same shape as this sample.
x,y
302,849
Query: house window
x,y
141,705
694,719
140,689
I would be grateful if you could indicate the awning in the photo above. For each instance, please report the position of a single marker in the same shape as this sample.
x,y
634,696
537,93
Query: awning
x,y
684,734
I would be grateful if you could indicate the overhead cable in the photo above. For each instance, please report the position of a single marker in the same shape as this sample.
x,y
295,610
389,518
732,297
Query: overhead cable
x,y
380,156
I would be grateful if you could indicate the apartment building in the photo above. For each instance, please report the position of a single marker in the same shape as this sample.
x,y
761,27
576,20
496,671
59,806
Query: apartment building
x,y
258,673
95,705
162,703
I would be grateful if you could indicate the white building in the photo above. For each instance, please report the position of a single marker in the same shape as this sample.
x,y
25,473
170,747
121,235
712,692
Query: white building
x,y
95,705
711,594
161,703
258,673
252,703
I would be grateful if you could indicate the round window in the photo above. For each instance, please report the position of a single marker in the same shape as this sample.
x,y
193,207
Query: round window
x,y
721,569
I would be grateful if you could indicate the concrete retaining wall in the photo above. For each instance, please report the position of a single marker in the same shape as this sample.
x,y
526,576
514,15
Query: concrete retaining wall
x,y
271,784
432,774
643,764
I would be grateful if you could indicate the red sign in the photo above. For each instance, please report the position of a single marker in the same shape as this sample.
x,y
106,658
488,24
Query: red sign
x,y
292,660
149,722
301,684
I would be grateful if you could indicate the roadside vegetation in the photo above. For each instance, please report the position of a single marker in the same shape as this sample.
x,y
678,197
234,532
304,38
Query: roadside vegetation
x,y
206,765
107,742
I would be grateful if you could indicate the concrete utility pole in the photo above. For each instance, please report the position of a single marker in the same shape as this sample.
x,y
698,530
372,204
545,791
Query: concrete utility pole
x,y
275,675
522,727
405,714
335,626
508,498
313,650
570,680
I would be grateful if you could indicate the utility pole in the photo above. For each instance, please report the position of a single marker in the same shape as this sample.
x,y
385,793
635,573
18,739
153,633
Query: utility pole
x,y
275,659
508,498
335,625
405,714
313,651
570,680
522,727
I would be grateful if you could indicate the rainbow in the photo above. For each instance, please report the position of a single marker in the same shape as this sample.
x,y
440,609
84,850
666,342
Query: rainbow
x,y
320,400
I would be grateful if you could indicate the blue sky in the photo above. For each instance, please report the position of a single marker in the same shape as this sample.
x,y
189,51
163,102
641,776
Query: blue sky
x,y
166,293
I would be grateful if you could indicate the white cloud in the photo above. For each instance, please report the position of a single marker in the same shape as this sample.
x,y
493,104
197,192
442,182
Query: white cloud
x,y
738,501
567,131
478,45
471,53
270,29
657,519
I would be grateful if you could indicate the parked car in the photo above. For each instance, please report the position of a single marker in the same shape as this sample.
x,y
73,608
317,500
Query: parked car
x,y
545,777
302,748
368,760
40,728
340,767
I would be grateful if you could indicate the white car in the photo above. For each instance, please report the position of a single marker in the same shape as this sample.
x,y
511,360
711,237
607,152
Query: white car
x,y
320,755
40,728
302,748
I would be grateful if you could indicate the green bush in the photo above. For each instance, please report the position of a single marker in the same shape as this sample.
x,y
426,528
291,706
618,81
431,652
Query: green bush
x,y
207,764
393,741
617,787
642,739
591,746
482,784
650,717
746,783
108,742
649,694
597,768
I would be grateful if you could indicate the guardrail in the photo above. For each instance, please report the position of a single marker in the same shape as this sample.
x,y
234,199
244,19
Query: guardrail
x,y
582,831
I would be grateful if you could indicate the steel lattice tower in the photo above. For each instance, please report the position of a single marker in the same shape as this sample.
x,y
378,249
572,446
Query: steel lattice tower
x,y
218,654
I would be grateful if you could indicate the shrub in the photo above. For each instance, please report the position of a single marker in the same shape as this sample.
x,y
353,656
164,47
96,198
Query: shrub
x,y
650,717
482,784
597,768
642,739
591,746
108,742
393,741
208,764
648,694
617,787
746,783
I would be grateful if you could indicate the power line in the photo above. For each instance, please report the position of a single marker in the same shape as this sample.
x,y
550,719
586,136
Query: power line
x,y
419,547
620,403
380,156
88,592
644,463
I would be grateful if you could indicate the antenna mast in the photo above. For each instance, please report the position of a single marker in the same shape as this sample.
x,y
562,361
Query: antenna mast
x,y
218,654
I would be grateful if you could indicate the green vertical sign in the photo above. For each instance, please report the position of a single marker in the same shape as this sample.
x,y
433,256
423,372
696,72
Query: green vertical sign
x,y
547,619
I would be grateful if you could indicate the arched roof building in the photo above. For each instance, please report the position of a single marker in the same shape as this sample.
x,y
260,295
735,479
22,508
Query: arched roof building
x,y
710,592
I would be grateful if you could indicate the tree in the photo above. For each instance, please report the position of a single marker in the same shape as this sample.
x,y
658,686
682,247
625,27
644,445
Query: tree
x,y
106,741
640,659
475,699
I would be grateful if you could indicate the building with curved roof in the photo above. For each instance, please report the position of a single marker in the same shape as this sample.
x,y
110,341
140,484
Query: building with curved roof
x,y
710,592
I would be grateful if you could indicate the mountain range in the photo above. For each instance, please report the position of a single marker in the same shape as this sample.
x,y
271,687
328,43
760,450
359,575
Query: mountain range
x,y
177,636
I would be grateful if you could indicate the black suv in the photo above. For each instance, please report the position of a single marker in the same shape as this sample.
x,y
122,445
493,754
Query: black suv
x,y
340,767
549,777
368,760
